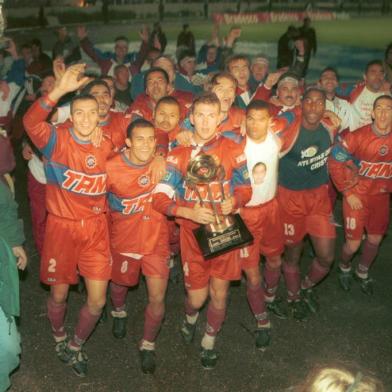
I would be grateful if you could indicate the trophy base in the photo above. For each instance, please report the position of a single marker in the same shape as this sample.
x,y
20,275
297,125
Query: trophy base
x,y
215,244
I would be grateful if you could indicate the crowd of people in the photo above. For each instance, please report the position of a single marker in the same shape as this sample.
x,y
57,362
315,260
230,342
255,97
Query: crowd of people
x,y
108,160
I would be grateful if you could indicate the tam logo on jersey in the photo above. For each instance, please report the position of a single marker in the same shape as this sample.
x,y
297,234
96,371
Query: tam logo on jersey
x,y
215,192
375,169
136,205
91,185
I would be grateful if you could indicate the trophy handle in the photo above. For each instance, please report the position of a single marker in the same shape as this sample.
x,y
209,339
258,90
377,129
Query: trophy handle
x,y
199,196
212,201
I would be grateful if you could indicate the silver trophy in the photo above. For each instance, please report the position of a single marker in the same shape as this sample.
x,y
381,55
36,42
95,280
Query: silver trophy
x,y
227,232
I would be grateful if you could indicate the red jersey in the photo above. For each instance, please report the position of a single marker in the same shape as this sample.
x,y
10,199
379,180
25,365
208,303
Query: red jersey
x,y
361,162
235,183
232,123
165,140
75,169
144,106
135,225
115,128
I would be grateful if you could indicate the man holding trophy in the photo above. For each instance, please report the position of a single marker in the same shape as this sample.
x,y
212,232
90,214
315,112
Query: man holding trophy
x,y
209,180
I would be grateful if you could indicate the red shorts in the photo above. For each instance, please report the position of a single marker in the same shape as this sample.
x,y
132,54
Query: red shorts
x,y
75,246
373,217
264,222
197,270
306,212
126,269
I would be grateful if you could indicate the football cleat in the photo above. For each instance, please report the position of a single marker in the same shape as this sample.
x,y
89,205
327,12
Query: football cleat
x,y
188,331
310,300
366,284
77,359
119,327
262,338
60,346
277,308
345,280
147,361
298,310
209,358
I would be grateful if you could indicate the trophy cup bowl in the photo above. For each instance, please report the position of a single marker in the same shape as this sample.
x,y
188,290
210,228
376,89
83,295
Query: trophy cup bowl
x,y
228,231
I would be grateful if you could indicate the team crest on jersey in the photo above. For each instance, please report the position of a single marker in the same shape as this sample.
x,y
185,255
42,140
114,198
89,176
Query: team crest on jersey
x,y
143,180
383,150
91,162
309,152
172,159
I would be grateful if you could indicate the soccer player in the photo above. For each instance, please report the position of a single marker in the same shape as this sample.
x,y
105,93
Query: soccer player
x,y
365,93
138,236
329,81
224,85
113,124
304,201
156,84
288,94
166,122
204,277
76,238
262,217
239,66
360,166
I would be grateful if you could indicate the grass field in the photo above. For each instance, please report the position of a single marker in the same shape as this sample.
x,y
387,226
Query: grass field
x,y
360,32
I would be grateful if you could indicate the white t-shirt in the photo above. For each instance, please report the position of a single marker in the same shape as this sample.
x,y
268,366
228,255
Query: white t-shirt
x,y
343,109
363,106
262,161
36,167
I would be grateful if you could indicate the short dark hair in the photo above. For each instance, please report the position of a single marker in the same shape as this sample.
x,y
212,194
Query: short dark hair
x,y
385,96
168,100
236,57
330,69
96,82
81,97
118,67
313,88
206,98
36,42
121,38
258,104
155,69
222,75
374,62
138,123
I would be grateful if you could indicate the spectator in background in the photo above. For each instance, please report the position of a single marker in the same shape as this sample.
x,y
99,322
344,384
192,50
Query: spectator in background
x,y
121,55
5,63
158,38
66,47
41,63
308,34
388,63
286,47
122,86
259,68
186,40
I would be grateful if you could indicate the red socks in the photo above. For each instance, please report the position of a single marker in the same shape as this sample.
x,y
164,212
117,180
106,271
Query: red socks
x,y
293,280
56,315
152,323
